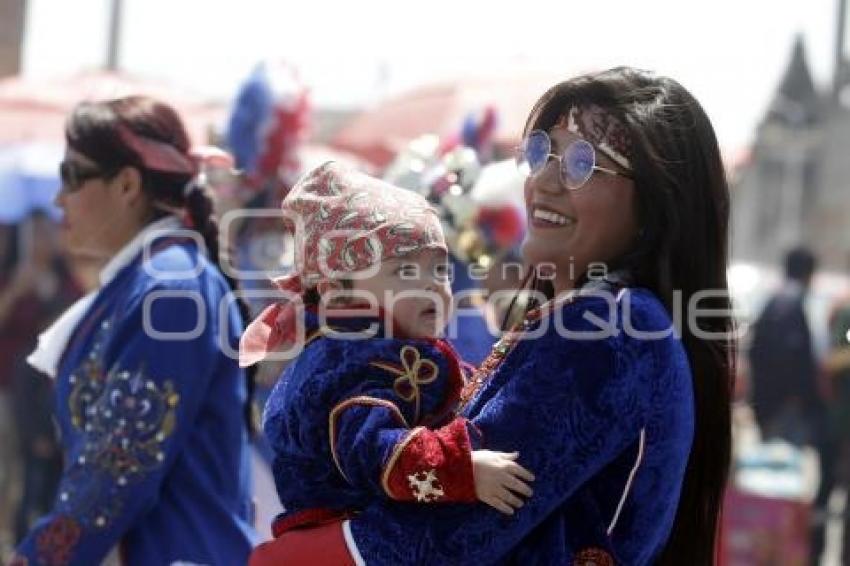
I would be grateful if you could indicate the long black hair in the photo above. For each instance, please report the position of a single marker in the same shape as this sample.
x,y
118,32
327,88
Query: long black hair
x,y
94,130
683,211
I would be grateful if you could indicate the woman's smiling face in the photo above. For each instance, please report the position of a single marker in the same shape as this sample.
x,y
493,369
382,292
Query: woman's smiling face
x,y
571,229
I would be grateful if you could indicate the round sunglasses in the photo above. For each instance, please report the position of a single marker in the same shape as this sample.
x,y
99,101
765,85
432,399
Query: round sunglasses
x,y
577,163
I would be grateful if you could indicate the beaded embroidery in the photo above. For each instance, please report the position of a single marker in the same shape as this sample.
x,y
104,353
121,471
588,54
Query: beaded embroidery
x,y
125,419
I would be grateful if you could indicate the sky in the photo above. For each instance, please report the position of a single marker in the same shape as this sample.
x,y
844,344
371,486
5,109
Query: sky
x,y
729,53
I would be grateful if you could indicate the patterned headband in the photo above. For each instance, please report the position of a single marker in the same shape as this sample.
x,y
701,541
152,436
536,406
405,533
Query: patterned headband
x,y
603,130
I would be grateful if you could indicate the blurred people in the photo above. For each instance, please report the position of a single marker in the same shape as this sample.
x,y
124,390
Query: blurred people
x,y
10,346
785,395
46,288
838,371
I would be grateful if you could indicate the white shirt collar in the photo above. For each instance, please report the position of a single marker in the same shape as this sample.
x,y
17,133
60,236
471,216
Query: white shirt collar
x,y
53,341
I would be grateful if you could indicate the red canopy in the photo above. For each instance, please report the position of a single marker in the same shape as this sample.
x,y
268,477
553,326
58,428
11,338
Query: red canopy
x,y
380,133
34,110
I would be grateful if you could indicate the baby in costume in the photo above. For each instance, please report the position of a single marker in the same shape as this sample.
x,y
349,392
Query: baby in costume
x,y
368,407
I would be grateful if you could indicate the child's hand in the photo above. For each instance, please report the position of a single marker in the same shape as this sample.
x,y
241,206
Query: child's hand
x,y
498,478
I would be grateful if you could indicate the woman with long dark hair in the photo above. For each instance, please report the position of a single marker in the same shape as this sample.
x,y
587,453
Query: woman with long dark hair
x,y
154,413
615,389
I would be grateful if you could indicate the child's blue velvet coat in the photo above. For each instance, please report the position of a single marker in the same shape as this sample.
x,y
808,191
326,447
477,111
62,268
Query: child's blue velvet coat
x,y
350,420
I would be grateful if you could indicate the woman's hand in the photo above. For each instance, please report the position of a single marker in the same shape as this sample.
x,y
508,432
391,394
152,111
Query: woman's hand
x,y
498,480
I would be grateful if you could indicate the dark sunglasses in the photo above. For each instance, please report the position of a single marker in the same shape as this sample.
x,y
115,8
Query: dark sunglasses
x,y
577,161
74,174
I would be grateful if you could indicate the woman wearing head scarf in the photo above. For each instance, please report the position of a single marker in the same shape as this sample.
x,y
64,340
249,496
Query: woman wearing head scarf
x,y
153,411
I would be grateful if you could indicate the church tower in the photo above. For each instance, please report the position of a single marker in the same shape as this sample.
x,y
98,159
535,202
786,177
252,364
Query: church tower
x,y
773,195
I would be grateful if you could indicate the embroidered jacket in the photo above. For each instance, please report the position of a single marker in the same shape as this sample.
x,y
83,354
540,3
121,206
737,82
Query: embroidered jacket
x,y
354,420
605,421
152,423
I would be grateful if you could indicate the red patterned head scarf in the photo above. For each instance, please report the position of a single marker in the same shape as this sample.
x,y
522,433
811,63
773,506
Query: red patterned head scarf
x,y
343,221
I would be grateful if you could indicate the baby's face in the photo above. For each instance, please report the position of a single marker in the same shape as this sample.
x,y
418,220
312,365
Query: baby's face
x,y
414,290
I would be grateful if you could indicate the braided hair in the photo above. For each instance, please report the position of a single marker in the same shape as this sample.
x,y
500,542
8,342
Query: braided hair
x,y
121,133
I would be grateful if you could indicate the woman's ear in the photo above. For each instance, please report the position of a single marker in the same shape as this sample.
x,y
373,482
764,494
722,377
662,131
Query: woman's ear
x,y
129,182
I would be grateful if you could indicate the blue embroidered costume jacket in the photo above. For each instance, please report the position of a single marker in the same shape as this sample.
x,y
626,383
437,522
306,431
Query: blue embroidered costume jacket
x,y
152,423
605,422
352,420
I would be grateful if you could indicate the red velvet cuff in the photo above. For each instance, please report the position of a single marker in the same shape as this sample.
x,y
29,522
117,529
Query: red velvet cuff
x,y
432,466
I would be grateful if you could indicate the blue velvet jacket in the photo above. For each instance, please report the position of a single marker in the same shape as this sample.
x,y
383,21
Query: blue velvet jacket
x,y
152,426
606,425
351,420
